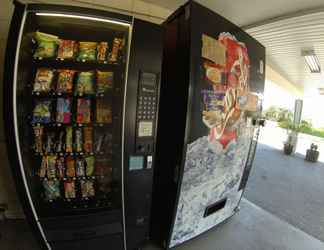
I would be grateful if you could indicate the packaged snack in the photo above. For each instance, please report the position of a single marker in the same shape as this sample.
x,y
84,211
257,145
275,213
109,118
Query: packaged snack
x,y
51,166
102,166
63,110
117,44
104,185
43,80
80,167
69,189
87,136
102,51
51,189
42,112
60,142
84,84
87,51
65,81
89,160
60,167
67,49
103,142
38,141
87,188
46,45
69,140
78,140
70,168
104,81
50,142
83,110
43,168
103,112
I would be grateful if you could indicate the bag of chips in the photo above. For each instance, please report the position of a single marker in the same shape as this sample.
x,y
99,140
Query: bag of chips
x,y
63,110
70,168
51,166
102,52
69,140
102,142
103,112
87,51
69,189
80,167
90,160
59,147
84,84
50,142
78,140
43,80
117,45
83,110
38,141
60,167
65,81
87,136
42,112
46,45
87,188
51,189
104,81
67,49
43,168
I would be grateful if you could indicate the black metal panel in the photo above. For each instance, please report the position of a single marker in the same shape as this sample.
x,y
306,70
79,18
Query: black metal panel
x,y
172,122
110,242
145,58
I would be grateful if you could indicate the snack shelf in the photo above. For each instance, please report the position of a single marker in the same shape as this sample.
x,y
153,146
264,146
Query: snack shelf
x,y
59,94
72,154
73,124
77,65
92,177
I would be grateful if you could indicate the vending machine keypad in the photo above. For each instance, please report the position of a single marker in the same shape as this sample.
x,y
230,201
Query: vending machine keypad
x,y
146,112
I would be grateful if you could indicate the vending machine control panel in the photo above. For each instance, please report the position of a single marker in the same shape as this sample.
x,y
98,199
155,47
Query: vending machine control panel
x,y
146,112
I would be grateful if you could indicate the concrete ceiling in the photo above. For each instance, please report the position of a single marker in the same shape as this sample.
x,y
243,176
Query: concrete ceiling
x,y
285,39
248,12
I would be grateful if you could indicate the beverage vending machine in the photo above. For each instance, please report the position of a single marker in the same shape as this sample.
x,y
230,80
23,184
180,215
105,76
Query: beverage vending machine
x,y
80,108
210,102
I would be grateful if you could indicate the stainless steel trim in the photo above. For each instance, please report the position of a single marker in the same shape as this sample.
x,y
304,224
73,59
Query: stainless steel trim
x,y
130,30
16,128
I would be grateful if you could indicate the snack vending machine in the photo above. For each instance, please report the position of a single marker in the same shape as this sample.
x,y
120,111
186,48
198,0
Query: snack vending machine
x,y
210,100
80,97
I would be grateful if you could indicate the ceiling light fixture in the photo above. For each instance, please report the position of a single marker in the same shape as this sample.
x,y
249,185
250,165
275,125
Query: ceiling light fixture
x,y
82,17
311,61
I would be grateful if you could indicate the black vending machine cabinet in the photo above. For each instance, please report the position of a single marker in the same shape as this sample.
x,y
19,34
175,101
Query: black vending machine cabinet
x,y
210,99
80,98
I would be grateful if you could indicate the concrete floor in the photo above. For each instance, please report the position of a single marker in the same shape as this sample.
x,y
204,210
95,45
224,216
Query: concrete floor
x,y
283,209
290,188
